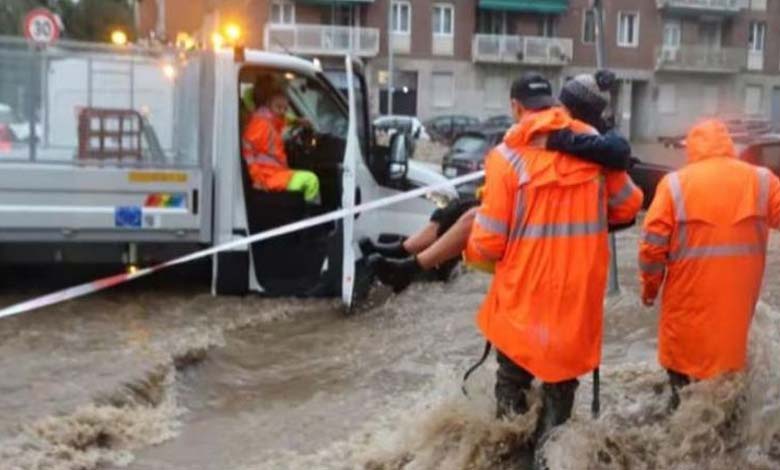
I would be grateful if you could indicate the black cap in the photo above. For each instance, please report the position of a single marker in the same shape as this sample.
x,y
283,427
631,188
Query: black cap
x,y
533,91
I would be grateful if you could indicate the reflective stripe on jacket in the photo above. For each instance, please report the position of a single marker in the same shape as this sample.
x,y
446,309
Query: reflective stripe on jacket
x,y
705,236
543,220
262,147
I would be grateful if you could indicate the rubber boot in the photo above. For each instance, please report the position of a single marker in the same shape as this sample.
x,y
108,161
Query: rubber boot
x,y
557,404
393,250
396,273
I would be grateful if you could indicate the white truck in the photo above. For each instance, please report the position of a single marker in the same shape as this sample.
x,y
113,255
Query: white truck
x,y
140,161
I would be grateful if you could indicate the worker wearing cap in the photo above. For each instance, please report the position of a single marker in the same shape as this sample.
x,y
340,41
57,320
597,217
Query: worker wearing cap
x,y
704,240
585,97
543,223
263,144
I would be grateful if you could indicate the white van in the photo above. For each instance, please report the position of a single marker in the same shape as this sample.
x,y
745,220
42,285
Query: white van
x,y
137,168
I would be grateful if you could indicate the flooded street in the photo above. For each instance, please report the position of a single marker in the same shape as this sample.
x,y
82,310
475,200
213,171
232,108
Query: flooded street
x,y
176,379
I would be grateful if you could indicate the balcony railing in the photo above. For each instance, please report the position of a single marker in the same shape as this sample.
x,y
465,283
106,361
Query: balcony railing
x,y
322,40
711,6
532,50
701,59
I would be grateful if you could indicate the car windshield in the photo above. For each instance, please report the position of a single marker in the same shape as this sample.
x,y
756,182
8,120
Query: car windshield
x,y
469,143
315,103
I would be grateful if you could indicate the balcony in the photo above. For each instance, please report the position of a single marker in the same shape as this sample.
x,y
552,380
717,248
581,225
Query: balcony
x,y
322,40
723,7
701,59
531,50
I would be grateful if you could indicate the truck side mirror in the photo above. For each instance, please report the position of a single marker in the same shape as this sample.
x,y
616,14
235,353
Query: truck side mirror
x,y
400,152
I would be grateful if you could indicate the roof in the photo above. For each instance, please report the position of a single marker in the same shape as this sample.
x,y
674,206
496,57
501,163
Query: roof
x,y
277,60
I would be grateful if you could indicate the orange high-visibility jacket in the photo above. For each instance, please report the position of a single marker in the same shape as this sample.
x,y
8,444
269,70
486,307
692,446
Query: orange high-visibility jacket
x,y
263,151
706,232
543,220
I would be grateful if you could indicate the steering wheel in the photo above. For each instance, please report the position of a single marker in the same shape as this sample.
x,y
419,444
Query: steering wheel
x,y
300,146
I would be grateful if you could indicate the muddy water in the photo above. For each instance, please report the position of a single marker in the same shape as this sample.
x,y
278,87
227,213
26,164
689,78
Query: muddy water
x,y
172,380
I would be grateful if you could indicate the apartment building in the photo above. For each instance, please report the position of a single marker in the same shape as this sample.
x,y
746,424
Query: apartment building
x,y
676,59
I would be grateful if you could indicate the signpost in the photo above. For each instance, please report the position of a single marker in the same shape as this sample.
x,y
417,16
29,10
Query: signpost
x,y
42,29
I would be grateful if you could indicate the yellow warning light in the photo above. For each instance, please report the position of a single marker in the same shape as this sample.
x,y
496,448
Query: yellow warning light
x,y
217,40
233,32
118,37
184,41
132,269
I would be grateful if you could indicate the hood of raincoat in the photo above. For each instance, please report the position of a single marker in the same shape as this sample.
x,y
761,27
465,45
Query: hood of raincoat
x,y
709,139
542,166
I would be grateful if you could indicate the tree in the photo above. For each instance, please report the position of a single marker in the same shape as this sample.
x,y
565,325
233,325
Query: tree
x,y
12,14
86,20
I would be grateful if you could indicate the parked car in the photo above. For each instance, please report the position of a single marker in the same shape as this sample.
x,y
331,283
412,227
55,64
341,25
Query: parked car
x,y
761,151
501,120
444,129
467,155
409,124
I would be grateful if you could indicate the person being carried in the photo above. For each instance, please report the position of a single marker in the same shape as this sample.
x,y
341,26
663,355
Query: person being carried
x,y
263,143
443,239
543,224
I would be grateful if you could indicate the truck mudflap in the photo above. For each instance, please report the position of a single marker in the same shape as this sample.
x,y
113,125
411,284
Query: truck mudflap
x,y
72,203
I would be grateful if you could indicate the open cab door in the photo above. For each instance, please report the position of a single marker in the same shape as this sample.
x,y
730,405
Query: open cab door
x,y
352,155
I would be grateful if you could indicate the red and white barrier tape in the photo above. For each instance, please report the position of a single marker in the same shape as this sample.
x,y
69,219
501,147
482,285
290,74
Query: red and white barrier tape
x,y
111,281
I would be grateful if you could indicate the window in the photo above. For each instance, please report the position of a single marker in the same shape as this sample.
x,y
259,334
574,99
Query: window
x,y
588,26
628,29
710,35
402,17
547,26
753,98
469,144
711,99
443,18
282,12
757,37
672,32
496,91
443,89
491,22
667,99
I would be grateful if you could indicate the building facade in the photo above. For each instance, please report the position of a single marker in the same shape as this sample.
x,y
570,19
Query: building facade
x,y
676,60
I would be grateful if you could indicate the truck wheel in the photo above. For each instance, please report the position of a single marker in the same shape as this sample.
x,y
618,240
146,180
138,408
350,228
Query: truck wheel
x,y
232,273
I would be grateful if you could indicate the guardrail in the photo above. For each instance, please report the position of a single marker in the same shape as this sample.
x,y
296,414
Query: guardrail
x,y
322,40
535,50
701,59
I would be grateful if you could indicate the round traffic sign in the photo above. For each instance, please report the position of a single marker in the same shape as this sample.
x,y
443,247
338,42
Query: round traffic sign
x,y
41,26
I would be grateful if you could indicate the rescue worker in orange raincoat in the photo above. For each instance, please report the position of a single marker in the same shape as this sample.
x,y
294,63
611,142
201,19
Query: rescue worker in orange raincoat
x,y
543,222
704,239
263,144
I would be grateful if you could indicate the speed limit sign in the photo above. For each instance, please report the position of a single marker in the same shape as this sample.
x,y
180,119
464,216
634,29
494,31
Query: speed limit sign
x,y
41,26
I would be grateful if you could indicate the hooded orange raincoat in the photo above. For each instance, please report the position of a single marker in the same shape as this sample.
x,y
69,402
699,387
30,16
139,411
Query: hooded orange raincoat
x,y
263,151
543,220
706,233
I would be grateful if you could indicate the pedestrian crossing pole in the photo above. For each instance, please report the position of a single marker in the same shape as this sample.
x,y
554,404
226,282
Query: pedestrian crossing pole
x,y
601,63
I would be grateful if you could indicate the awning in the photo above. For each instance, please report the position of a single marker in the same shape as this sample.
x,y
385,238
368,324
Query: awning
x,y
534,6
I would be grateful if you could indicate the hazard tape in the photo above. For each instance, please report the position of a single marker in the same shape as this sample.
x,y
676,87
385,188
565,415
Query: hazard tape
x,y
111,281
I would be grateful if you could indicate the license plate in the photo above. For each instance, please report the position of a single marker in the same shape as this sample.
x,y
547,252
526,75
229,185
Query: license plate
x,y
450,172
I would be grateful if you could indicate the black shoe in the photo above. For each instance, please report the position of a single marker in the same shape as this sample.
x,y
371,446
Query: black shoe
x,y
396,273
393,250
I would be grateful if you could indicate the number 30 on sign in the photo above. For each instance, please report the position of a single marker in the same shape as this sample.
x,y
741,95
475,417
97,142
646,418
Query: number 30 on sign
x,y
41,26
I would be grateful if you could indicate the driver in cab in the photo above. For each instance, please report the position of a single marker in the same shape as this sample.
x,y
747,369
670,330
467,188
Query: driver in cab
x,y
263,143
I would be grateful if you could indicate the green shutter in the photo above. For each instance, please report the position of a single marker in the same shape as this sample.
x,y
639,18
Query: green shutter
x,y
535,6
